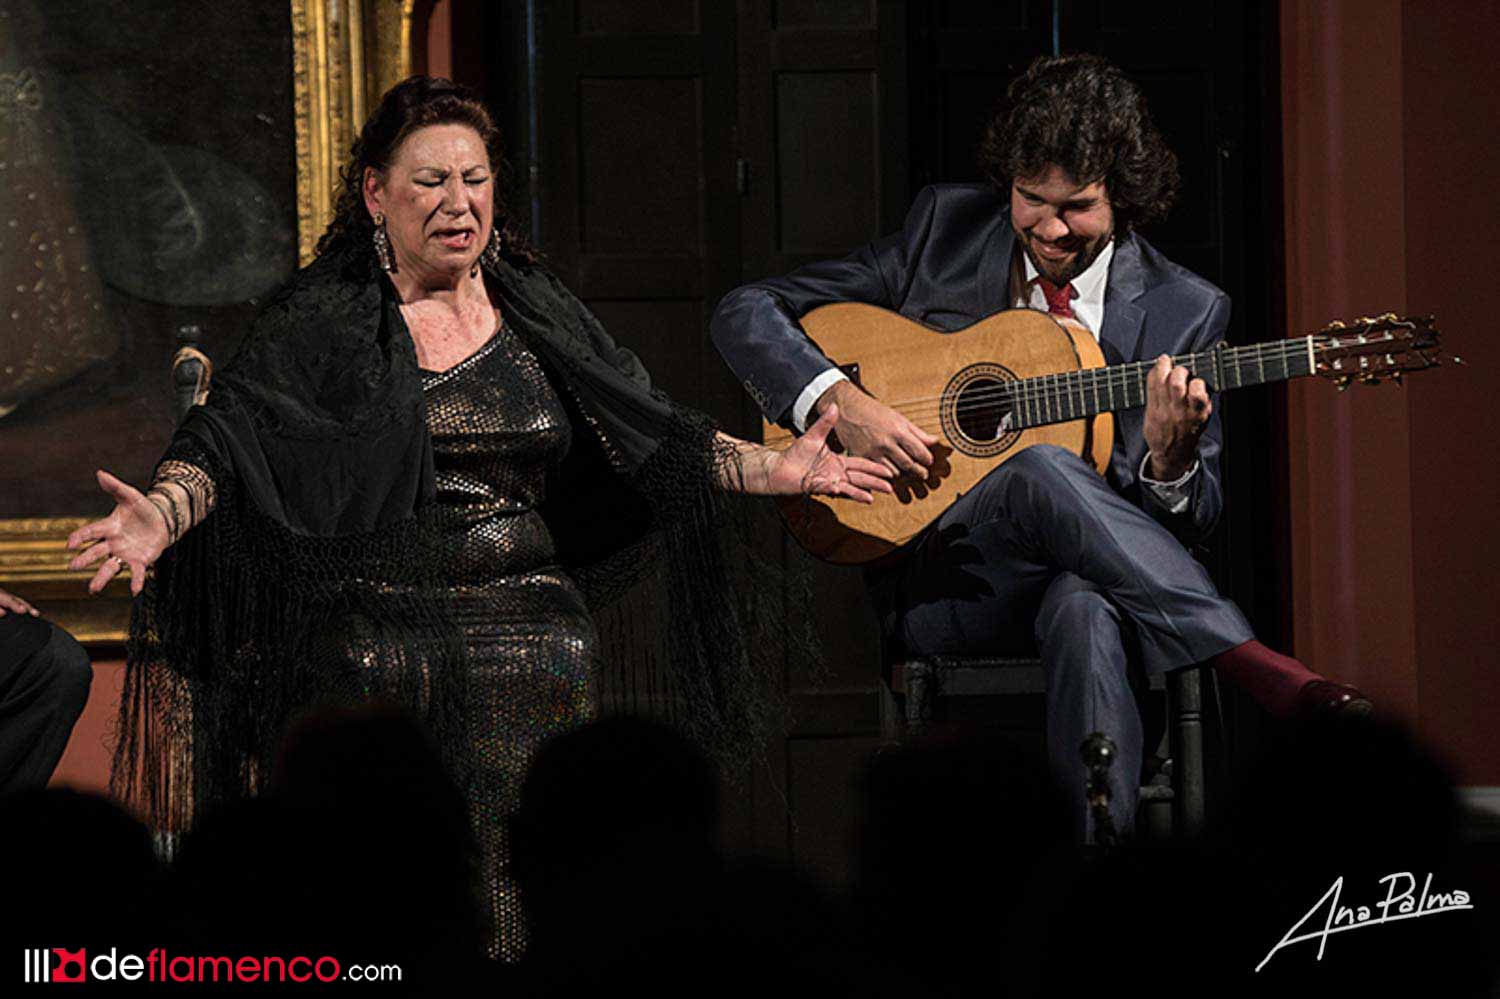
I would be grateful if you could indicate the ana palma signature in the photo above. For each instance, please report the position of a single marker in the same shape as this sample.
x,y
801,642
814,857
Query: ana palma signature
x,y
1396,905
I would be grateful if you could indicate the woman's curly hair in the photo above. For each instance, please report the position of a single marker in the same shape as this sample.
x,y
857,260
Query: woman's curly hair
x,y
414,103
1081,114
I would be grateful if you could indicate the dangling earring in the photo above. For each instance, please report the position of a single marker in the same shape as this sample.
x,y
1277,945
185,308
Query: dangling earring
x,y
383,245
491,254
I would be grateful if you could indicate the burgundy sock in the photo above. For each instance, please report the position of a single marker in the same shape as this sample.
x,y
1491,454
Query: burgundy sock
x,y
1272,679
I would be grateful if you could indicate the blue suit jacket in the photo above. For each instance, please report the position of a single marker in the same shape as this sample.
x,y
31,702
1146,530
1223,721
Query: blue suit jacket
x,y
949,267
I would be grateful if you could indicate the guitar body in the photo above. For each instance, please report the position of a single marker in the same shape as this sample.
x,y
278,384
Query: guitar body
x,y
943,383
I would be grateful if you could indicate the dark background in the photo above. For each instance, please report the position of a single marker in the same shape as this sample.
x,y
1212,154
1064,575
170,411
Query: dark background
x,y
664,153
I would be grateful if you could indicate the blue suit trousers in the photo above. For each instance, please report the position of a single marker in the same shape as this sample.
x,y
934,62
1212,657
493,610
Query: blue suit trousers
x,y
1043,557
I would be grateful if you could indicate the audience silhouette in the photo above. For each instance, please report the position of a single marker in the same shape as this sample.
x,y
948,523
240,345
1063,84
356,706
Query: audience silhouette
x,y
966,880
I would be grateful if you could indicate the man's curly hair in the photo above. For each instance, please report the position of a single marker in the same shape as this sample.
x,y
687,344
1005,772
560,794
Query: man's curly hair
x,y
1081,114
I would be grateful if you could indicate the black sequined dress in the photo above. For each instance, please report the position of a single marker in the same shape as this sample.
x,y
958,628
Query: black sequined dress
x,y
327,450
497,427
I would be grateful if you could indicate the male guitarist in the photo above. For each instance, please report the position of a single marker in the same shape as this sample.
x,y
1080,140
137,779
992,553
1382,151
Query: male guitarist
x,y
1090,569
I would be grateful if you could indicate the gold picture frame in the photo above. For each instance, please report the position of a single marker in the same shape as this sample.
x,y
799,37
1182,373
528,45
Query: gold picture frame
x,y
346,53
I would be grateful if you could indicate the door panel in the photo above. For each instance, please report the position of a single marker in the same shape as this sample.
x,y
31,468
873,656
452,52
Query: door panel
x,y
683,147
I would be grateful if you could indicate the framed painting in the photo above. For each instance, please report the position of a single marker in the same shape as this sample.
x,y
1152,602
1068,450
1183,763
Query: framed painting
x,y
163,167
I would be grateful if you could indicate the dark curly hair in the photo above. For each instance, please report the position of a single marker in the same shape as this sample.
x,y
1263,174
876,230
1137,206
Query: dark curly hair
x,y
414,103
1081,114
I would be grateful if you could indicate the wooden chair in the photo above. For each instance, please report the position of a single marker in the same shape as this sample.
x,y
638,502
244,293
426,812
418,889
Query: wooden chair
x,y
191,371
1172,799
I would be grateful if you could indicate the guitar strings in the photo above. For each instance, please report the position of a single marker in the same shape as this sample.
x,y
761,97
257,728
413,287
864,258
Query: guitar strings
x,y
1067,388
1053,391
1056,390
1062,387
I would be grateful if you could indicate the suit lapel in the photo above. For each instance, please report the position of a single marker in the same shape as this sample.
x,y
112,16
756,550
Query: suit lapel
x,y
994,268
1123,319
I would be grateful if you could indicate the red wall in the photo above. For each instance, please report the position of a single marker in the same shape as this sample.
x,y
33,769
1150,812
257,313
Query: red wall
x,y
1452,242
1349,456
432,38
1389,206
85,763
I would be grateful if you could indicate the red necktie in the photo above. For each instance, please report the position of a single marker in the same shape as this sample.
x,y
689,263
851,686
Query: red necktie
x,y
1058,299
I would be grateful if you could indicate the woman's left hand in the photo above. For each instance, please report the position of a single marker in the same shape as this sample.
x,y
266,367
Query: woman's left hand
x,y
809,467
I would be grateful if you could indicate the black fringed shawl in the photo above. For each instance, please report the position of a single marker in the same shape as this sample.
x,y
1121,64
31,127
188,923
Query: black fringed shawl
x,y
319,577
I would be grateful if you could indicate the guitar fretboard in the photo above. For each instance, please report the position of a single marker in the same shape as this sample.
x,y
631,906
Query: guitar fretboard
x,y
1074,395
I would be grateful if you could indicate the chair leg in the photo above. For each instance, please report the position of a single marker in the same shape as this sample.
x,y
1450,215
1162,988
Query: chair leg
x,y
891,718
1185,717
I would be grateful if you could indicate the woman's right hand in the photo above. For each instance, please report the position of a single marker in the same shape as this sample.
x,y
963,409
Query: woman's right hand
x,y
134,535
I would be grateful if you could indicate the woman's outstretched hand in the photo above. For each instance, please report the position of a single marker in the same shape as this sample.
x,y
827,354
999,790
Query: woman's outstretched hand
x,y
809,467
134,535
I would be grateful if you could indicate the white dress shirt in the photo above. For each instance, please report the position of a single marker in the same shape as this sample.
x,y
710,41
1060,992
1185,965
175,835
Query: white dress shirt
x,y
1088,310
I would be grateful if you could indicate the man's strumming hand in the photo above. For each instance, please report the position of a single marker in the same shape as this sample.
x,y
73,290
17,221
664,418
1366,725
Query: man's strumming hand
x,y
868,428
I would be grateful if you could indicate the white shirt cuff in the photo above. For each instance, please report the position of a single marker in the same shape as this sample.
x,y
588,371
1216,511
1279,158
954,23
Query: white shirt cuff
x,y
1174,495
810,394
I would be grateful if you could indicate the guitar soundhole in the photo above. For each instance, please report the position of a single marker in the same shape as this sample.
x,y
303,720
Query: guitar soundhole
x,y
974,409
981,409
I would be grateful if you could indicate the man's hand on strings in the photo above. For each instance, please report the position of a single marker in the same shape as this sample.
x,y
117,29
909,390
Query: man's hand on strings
x,y
810,467
1177,410
868,428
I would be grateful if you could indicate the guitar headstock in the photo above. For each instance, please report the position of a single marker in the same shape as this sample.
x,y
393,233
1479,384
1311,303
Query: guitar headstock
x,y
1369,350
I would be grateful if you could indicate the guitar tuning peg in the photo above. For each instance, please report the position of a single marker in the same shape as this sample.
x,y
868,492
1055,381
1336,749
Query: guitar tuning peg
x,y
1458,360
1342,383
1396,377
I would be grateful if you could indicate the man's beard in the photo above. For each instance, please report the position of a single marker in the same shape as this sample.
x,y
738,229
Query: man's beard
x,y
1061,272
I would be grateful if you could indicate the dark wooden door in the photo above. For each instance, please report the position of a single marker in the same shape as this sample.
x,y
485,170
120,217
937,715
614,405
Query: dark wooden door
x,y
635,183
673,150
676,150
635,119
822,142
962,54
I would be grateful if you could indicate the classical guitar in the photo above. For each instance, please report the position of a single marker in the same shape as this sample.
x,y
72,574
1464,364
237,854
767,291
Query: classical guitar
x,y
1020,378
